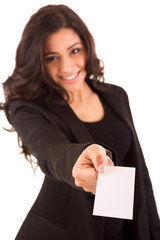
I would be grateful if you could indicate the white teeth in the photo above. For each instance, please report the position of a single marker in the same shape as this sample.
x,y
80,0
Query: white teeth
x,y
70,77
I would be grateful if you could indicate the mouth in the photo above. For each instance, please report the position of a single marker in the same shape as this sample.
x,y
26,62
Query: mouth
x,y
70,78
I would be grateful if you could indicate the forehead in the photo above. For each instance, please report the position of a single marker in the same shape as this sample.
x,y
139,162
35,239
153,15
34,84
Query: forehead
x,y
63,38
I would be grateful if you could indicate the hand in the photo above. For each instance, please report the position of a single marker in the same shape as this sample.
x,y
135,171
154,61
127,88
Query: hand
x,y
91,161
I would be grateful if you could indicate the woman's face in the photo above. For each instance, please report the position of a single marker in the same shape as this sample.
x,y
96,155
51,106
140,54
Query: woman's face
x,y
65,59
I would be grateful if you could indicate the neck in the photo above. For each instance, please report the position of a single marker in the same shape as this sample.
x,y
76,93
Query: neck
x,y
81,95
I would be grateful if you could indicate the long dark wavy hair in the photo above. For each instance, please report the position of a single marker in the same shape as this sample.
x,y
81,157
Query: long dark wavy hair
x,y
29,79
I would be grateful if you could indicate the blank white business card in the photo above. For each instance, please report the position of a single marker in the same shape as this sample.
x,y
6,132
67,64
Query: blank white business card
x,y
115,193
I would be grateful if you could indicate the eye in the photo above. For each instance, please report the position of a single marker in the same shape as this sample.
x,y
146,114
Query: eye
x,y
51,58
75,50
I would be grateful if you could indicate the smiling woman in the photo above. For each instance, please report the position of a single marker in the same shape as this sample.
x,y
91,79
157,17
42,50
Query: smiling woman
x,y
75,125
30,54
65,59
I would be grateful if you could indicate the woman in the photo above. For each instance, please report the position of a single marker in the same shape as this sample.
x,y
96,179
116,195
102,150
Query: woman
x,y
74,124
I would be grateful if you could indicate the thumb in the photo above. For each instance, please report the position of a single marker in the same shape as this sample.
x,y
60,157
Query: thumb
x,y
102,168
100,159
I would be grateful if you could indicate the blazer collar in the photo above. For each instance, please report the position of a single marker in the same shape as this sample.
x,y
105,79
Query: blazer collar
x,y
116,98
118,104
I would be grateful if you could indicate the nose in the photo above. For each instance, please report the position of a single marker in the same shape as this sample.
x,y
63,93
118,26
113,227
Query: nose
x,y
66,65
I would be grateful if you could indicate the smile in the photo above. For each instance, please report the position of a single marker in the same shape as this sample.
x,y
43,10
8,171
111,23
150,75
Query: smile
x,y
70,78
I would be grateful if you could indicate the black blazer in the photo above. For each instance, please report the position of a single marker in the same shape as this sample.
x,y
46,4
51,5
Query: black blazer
x,y
56,137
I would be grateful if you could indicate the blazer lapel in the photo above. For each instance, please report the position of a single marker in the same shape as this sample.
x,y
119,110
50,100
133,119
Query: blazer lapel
x,y
115,100
65,113
118,105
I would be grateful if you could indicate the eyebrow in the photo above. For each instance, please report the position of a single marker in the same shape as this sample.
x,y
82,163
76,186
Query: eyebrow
x,y
49,53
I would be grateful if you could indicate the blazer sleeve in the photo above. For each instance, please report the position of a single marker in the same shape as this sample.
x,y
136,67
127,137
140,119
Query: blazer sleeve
x,y
46,141
153,217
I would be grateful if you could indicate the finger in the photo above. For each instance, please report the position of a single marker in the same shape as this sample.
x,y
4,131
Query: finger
x,y
98,157
84,184
110,162
103,166
87,177
90,189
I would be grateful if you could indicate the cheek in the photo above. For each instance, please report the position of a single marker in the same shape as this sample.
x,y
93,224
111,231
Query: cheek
x,y
51,70
82,62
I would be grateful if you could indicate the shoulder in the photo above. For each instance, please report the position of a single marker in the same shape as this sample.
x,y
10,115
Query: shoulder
x,y
111,88
20,107
22,104
35,109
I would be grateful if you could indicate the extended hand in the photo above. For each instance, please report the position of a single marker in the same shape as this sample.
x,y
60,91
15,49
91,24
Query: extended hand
x,y
91,161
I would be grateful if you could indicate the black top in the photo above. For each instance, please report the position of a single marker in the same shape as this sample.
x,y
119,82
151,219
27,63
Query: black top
x,y
113,132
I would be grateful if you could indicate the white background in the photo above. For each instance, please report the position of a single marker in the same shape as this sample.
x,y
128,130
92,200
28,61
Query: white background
x,y
127,36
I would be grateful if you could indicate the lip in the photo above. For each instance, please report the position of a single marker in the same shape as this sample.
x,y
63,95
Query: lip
x,y
71,78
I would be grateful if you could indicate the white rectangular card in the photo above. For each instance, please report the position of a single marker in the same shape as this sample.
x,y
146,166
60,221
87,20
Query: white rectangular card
x,y
115,193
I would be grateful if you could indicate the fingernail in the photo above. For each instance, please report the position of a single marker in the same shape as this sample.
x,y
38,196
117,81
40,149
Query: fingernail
x,y
102,168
